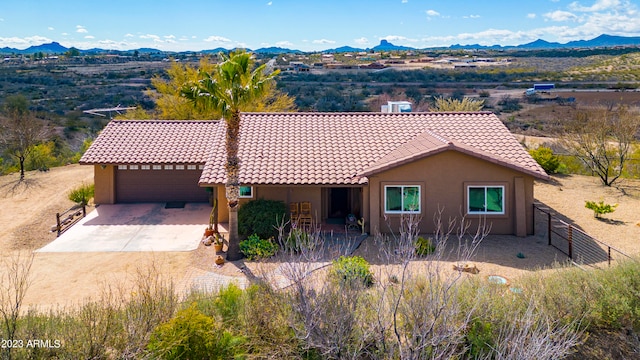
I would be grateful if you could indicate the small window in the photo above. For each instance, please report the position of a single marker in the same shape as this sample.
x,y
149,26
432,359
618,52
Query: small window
x,y
157,167
145,167
133,167
246,192
200,167
191,167
402,199
168,167
122,167
485,200
179,167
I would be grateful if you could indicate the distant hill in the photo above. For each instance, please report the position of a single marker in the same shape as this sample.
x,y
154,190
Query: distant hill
x,y
540,44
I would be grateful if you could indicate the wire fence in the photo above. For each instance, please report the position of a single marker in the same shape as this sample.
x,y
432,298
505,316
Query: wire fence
x,y
579,246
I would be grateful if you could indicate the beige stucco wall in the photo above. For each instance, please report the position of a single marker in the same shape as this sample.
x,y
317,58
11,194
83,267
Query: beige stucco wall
x,y
104,180
443,179
281,193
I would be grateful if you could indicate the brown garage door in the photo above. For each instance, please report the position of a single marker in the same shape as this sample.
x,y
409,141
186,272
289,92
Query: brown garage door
x,y
146,184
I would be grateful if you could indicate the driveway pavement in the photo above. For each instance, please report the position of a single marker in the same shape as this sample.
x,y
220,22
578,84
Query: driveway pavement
x,y
135,227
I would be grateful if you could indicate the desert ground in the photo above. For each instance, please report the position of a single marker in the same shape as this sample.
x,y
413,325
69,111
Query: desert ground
x,y
61,279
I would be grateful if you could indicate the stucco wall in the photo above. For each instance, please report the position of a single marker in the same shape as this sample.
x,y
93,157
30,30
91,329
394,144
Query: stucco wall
x,y
443,179
104,180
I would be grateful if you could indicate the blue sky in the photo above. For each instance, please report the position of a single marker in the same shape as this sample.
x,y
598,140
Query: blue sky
x,y
308,25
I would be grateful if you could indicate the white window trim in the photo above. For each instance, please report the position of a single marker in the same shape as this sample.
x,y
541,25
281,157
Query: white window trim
x,y
247,197
157,167
191,167
485,212
145,167
122,167
133,167
168,167
180,167
402,186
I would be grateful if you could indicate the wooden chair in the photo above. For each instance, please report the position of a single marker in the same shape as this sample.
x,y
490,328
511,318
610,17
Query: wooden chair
x,y
305,213
294,212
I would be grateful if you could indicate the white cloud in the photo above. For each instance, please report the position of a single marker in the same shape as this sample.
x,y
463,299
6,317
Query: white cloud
x,y
361,41
531,16
405,1
89,37
50,28
270,3
284,43
432,13
398,38
471,17
560,15
169,37
599,5
1,19
154,38
81,29
23,43
128,35
217,39
323,41
64,34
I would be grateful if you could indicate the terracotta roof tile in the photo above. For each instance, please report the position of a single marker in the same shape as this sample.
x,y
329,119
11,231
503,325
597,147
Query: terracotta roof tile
x,y
153,142
341,148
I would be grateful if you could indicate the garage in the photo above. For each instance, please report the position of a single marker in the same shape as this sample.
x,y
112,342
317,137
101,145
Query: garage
x,y
159,183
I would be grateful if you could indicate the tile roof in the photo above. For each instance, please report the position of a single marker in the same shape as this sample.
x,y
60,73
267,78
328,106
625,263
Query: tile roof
x,y
343,148
153,142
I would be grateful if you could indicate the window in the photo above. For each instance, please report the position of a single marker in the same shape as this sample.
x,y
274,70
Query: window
x,y
246,191
402,199
157,167
122,167
145,167
191,167
179,167
168,167
133,167
485,200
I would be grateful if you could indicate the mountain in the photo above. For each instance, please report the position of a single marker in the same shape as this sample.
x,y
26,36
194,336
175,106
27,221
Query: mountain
x,y
276,50
50,48
387,46
606,41
343,49
539,45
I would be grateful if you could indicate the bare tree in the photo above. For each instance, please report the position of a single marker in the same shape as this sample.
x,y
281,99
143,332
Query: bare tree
x,y
602,138
15,280
20,130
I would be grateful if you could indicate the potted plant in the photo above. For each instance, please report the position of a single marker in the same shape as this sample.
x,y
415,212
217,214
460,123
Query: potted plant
x,y
213,221
218,242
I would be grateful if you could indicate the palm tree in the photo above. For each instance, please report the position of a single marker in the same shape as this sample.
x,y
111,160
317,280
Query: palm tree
x,y
232,86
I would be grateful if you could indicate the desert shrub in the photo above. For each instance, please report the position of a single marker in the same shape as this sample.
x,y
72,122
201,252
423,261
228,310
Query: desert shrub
x,y
600,208
479,338
193,335
546,158
82,194
260,217
296,240
228,303
424,246
255,248
352,269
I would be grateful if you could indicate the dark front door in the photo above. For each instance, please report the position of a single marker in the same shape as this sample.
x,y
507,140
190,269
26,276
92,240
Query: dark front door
x,y
339,202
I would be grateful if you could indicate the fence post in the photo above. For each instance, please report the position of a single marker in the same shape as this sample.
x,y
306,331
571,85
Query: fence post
x,y
58,227
570,240
84,210
609,256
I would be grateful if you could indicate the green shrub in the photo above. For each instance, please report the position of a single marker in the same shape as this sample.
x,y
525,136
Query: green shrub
x,y
479,338
600,208
228,303
546,158
352,269
424,246
261,217
193,335
82,194
255,248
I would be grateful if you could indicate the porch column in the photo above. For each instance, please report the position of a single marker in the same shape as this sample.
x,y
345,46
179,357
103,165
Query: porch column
x,y
366,213
374,205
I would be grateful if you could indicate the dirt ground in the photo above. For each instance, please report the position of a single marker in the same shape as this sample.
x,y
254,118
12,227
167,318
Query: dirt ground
x,y
28,211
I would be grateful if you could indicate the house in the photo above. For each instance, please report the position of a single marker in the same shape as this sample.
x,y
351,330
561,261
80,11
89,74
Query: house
x,y
379,166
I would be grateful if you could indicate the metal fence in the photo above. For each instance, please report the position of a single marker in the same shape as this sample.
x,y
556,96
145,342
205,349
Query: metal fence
x,y
579,246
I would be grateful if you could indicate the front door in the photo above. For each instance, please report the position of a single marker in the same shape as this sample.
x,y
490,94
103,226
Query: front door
x,y
339,203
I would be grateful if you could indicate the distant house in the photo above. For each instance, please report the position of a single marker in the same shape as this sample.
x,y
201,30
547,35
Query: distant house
x,y
379,166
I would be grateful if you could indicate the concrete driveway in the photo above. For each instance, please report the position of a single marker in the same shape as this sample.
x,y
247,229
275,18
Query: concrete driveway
x,y
135,227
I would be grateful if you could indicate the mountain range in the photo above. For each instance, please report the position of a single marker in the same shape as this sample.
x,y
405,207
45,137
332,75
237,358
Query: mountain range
x,y
600,41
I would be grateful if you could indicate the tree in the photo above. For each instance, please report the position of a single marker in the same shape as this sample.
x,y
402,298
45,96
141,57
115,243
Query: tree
x,y
20,131
602,138
231,87
450,104
171,105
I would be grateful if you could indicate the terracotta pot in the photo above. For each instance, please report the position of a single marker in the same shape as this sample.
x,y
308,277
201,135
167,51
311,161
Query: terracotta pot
x,y
217,247
208,232
219,260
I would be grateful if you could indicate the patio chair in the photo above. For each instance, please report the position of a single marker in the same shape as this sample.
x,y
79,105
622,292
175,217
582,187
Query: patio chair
x,y
294,212
305,213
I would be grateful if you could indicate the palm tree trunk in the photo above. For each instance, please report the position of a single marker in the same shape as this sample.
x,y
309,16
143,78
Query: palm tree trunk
x,y
232,187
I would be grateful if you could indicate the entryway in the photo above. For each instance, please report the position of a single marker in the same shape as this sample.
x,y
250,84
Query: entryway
x,y
342,201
